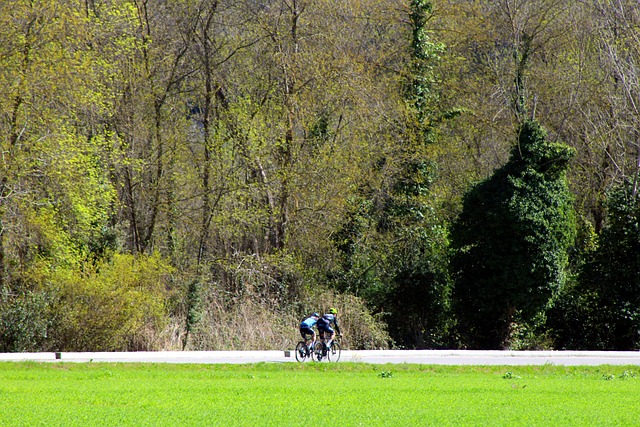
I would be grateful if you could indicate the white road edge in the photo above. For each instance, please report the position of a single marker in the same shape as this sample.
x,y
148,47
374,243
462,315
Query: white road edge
x,y
426,357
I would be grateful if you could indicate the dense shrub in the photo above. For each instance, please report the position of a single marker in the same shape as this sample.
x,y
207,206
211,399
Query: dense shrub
x,y
115,305
23,321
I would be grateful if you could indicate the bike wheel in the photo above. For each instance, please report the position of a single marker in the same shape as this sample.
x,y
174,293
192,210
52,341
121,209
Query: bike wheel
x,y
334,352
301,351
317,351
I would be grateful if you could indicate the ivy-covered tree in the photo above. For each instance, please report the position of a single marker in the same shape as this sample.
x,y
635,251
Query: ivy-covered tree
x,y
393,243
416,300
511,241
421,89
602,311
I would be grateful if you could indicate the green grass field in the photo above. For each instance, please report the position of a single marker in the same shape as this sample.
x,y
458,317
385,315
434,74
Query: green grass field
x,y
313,394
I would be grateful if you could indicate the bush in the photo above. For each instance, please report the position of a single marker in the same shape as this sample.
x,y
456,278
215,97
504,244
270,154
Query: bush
x,y
23,322
115,305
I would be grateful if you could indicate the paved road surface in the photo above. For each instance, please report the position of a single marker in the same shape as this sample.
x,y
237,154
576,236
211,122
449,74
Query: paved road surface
x,y
429,357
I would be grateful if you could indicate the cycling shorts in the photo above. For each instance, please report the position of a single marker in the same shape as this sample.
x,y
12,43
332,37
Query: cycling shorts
x,y
305,330
325,327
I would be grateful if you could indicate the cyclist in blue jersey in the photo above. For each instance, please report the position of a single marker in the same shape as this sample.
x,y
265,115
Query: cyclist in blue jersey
x,y
324,325
306,328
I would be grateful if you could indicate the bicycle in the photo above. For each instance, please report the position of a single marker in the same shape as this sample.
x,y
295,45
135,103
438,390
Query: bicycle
x,y
331,353
305,350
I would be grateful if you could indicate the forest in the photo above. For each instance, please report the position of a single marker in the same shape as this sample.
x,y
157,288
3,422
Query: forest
x,y
202,174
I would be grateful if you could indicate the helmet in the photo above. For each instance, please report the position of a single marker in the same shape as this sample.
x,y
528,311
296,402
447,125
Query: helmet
x,y
333,311
315,315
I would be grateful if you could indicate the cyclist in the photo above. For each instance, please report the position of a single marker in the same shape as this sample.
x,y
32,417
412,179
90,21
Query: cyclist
x,y
306,328
324,325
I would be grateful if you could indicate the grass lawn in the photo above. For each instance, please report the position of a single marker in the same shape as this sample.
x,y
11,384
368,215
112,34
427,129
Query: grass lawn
x,y
290,394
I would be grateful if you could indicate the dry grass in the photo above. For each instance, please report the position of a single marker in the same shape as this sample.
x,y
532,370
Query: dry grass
x,y
256,325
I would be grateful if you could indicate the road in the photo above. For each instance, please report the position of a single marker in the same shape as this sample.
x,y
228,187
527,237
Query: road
x,y
428,357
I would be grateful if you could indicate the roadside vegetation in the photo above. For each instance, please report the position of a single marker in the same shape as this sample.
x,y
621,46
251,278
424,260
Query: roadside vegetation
x,y
201,174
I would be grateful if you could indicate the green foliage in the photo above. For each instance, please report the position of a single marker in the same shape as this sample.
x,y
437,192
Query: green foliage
x,y
530,334
194,309
393,256
385,374
602,310
512,240
78,198
23,321
391,243
511,376
425,55
114,305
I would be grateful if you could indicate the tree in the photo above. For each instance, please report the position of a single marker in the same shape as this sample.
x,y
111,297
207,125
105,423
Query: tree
x,y
55,195
142,57
512,239
602,311
392,243
593,100
503,65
